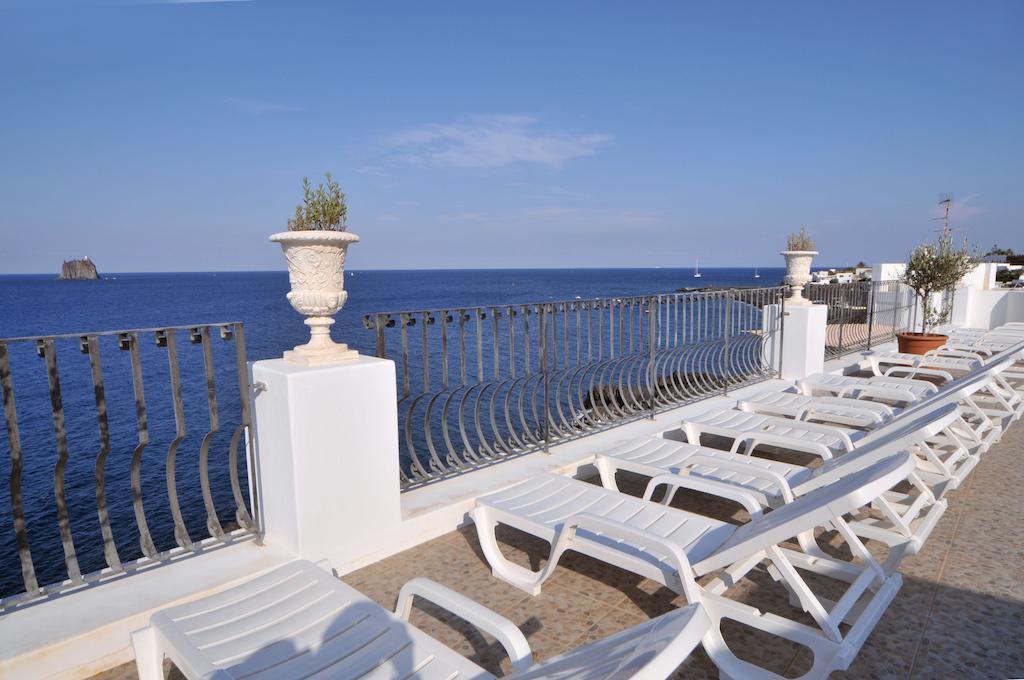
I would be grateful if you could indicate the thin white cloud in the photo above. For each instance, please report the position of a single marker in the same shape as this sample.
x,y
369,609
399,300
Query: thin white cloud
x,y
491,142
961,209
254,107
373,170
465,216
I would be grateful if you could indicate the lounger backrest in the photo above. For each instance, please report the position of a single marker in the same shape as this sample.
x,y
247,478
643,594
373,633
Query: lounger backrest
x,y
652,649
813,509
899,436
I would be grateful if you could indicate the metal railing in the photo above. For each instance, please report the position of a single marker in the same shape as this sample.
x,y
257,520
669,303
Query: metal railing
x,y
478,385
105,475
863,314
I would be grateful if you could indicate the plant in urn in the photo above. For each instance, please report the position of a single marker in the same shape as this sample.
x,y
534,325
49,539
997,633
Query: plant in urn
x,y
315,246
798,253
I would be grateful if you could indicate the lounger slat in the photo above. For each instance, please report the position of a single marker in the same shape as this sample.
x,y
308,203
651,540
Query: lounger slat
x,y
243,619
287,579
307,624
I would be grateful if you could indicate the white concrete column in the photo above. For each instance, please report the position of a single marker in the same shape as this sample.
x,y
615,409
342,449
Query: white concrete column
x,y
328,475
801,342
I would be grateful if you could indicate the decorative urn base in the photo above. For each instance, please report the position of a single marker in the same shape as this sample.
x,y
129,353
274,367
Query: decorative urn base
x,y
316,270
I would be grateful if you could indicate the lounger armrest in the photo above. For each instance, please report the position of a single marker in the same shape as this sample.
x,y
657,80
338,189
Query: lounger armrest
x,y
912,371
891,393
790,443
704,485
507,633
812,412
947,351
878,409
964,350
743,468
825,429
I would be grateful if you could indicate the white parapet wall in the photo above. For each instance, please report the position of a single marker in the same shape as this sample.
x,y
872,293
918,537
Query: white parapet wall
x,y
976,308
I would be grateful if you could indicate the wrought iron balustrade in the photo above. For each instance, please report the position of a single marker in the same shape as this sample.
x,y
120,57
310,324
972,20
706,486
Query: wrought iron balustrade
x,y
110,470
478,385
863,314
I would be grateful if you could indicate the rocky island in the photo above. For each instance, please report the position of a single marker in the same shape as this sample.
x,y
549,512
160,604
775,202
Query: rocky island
x,y
78,270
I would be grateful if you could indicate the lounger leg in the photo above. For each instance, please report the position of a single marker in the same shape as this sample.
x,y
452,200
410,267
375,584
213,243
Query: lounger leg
x,y
501,568
149,661
825,653
607,472
692,433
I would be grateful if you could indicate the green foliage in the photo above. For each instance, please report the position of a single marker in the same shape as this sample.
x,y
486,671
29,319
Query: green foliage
x,y
800,241
1007,275
323,210
996,250
934,268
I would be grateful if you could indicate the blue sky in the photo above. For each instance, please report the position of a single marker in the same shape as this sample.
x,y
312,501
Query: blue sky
x,y
174,136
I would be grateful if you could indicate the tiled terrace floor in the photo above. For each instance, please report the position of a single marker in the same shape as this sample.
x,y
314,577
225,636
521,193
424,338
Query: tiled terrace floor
x,y
960,612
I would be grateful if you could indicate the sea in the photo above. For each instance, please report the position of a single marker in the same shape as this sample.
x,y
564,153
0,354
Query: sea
x,y
33,305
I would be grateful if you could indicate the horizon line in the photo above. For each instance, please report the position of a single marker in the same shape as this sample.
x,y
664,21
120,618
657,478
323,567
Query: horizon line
x,y
424,269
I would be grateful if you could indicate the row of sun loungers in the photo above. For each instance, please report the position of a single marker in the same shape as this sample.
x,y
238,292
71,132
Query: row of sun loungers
x,y
877,457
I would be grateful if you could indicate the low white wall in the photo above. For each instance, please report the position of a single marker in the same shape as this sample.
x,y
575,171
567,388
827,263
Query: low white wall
x,y
887,271
974,308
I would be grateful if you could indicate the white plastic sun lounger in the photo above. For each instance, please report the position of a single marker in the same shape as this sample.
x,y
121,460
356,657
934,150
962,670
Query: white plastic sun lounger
x,y
835,410
903,519
898,391
898,363
946,457
300,622
983,394
753,429
676,548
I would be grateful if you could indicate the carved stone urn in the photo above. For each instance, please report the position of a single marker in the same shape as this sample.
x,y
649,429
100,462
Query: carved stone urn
x,y
798,274
316,271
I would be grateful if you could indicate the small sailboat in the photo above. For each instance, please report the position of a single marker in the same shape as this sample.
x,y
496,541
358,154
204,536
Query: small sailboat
x,y
756,275
696,270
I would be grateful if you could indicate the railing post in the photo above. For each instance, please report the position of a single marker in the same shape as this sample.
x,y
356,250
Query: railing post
x,y
546,375
653,305
844,310
728,359
871,311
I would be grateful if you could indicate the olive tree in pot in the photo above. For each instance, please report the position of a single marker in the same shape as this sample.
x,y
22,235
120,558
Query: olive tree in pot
x,y
799,252
933,268
315,246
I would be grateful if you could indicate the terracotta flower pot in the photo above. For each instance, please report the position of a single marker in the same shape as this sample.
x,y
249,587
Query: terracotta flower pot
x,y
919,343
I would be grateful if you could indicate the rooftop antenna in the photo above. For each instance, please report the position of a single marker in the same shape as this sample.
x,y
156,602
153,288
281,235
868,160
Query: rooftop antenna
x,y
947,203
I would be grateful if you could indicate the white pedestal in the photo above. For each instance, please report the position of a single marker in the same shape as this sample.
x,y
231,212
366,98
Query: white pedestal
x,y
801,342
328,475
